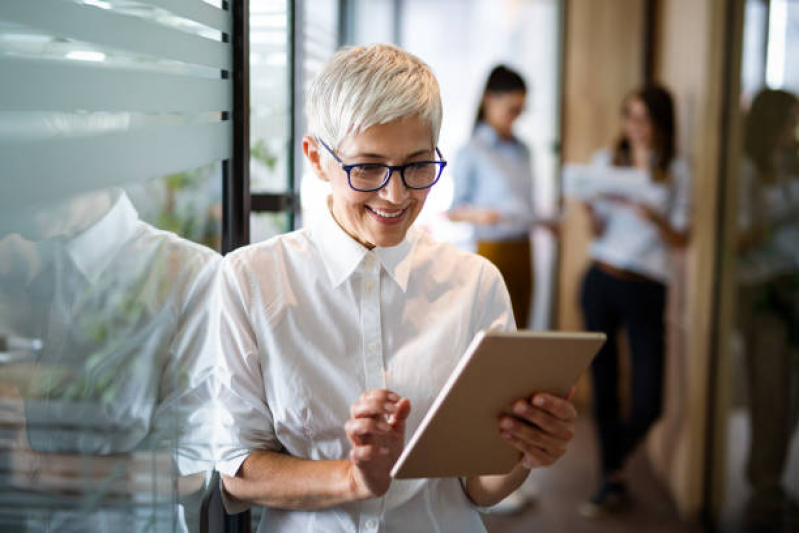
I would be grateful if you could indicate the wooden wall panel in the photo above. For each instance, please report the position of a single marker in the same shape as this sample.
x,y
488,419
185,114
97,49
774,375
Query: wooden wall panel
x,y
603,62
689,60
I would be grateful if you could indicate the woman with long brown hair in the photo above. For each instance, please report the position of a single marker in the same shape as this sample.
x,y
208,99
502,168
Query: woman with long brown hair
x,y
625,285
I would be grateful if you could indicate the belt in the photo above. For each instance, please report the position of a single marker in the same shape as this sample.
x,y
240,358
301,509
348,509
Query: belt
x,y
622,273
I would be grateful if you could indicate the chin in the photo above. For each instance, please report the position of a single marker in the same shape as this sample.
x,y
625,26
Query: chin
x,y
388,241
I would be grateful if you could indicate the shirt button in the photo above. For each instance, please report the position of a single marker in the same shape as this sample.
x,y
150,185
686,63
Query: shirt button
x,y
371,524
368,260
370,286
372,347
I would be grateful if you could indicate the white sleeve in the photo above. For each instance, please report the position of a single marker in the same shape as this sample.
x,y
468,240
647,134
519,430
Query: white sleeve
x,y
493,302
245,422
184,415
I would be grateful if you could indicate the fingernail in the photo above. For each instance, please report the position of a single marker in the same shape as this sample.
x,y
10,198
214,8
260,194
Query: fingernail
x,y
383,451
520,408
540,401
382,426
506,436
393,396
506,423
390,407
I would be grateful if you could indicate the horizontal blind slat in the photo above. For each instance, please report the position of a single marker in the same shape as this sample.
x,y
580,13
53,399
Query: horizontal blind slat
x,y
103,27
36,171
198,11
45,85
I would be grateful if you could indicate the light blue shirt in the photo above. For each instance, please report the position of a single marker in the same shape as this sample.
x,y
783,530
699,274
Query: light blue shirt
x,y
633,243
490,172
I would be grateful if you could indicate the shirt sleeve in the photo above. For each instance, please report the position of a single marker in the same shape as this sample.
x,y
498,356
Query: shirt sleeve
x,y
520,210
184,414
463,177
244,419
493,305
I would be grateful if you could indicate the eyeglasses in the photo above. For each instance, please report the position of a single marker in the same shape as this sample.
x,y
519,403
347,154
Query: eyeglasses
x,y
370,177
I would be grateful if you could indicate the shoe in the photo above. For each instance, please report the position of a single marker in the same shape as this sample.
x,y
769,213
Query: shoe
x,y
514,503
611,498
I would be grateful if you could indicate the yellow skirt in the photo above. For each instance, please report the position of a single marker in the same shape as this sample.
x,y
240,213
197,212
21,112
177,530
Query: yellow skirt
x,y
513,260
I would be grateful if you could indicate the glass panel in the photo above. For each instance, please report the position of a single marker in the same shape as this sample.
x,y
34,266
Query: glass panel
x,y
264,226
269,96
761,478
372,21
105,342
320,31
187,203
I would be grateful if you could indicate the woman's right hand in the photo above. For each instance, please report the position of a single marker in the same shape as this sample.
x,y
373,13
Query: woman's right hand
x,y
376,429
480,216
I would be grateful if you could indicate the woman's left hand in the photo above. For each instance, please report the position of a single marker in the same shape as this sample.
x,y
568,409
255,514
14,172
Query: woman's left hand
x,y
540,428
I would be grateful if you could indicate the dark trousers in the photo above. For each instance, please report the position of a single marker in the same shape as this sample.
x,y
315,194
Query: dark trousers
x,y
610,302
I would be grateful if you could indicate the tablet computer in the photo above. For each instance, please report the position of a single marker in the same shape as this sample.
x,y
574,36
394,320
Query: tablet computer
x,y
459,435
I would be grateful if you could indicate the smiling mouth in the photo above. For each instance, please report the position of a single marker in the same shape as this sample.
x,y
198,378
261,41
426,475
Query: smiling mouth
x,y
386,214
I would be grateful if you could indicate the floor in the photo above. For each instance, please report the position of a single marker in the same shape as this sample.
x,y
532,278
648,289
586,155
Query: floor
x,y
564,486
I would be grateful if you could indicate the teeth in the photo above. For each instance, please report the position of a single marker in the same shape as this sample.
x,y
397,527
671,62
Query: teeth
x,y
385,214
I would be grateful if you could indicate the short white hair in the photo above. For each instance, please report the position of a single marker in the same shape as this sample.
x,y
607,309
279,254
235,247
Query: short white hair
x,y
364,86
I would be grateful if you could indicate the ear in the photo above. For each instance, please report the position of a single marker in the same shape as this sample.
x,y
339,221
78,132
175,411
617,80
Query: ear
x,y
310,148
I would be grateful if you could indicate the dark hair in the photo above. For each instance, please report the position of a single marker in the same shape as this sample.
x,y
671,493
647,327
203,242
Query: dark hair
x,y
768,116
660,107
500,80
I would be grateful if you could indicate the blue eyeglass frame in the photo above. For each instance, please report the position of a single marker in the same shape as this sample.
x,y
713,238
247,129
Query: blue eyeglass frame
x,y
389,170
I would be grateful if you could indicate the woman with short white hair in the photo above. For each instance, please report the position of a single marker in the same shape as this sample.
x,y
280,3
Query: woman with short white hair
x,y
336,338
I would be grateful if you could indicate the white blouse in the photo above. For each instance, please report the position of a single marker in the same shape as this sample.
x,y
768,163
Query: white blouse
x,y
633,243
312,319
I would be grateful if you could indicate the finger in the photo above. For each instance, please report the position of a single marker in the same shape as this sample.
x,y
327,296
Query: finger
x,y
371,407
364,454
362,427
532,456
532,435
561,408
560,429
384,395
570,394
402,412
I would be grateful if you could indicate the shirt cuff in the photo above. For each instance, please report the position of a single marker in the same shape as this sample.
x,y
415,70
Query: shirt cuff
x,y
230,467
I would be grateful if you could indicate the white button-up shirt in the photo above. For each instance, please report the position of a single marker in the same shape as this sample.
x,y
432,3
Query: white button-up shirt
x,y
311,320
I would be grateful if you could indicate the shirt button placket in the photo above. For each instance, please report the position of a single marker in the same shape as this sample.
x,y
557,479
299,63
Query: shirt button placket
x,y
372,334
372,337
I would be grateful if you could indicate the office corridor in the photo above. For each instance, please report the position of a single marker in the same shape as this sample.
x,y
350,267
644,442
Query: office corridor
x,y
563,487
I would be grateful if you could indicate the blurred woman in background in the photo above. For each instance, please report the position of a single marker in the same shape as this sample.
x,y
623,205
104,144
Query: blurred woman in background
x,y
494,187
625,285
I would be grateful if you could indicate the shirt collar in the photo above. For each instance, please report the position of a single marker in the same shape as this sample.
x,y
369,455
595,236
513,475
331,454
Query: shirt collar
x,y
93,249
341,254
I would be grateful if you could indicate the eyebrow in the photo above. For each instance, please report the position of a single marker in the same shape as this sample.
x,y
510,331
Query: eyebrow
x,y
383,156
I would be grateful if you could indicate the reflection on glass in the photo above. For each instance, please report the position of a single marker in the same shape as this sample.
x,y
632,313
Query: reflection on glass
x,y
264,226
768,303
106,369
269,89
187,203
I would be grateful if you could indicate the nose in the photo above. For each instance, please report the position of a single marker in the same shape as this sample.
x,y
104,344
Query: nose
x,y
394,191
